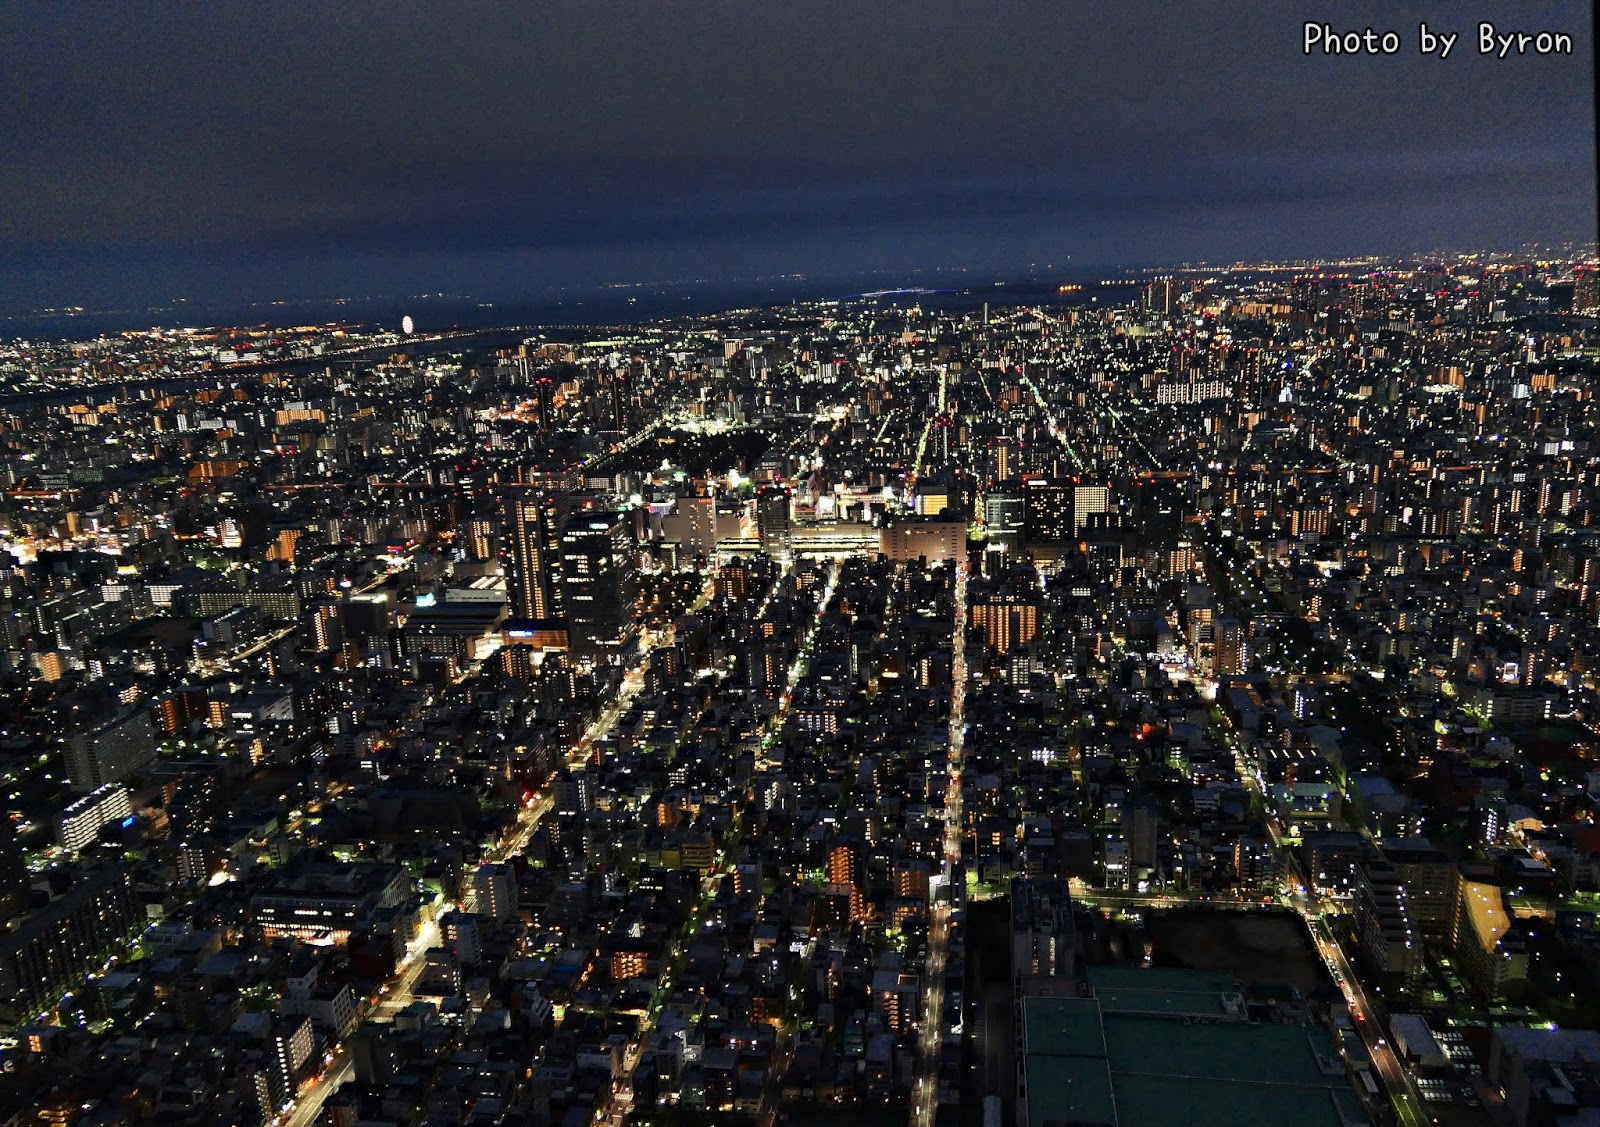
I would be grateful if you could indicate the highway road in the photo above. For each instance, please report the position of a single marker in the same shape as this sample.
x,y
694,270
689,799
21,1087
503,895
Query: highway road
x,y
1111,898
1057,432
1408,1103
925,1098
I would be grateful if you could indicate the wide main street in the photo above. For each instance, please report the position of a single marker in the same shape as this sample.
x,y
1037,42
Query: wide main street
x,y
931,1038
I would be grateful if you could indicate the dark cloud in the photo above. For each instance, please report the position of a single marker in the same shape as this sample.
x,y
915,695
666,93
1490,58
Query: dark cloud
x,y
248,145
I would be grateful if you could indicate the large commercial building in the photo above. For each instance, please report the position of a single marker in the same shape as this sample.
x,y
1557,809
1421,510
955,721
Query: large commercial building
x,y
774,520
1047,511
327,901
1087,501
461,630
598,576
1004,517
1548,1075
693,524
937,541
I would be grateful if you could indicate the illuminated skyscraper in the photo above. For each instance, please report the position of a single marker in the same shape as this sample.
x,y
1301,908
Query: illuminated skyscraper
x,y
598,579
1161,294
1086,501
479,536
1232,652
1047,511
773,521
1003,515
529,522
1007,621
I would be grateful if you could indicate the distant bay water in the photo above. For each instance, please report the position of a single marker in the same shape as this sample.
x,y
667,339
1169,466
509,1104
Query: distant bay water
x,y
619,305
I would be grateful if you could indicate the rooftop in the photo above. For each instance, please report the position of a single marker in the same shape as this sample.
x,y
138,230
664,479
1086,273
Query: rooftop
x,y
1486,905
1087,1063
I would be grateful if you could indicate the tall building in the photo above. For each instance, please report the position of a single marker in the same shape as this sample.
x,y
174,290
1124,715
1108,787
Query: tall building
x,y
55,948
1140,821
1000,460
573,792
1232,650
773,521
495,887
598,577
845,864
898,997
374,1052
480,538
293,1042
619,400
732,581
1003,516
847,875
1430,878
1007,620
1389,945
1047,511
1088,500
1491,954
81,822
460,933
1586,290
693,523
111,751
1162,294
530,517
325,620
911,879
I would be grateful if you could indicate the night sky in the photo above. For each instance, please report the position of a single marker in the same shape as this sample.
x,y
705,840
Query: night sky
x,y
245,150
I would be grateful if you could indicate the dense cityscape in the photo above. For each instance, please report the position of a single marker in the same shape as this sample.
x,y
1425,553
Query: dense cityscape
x,y
911,708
